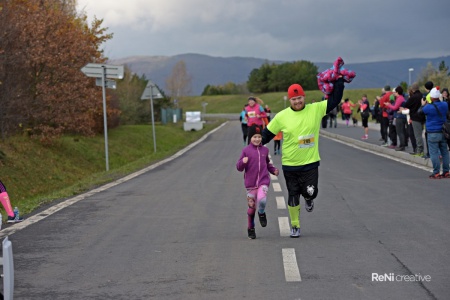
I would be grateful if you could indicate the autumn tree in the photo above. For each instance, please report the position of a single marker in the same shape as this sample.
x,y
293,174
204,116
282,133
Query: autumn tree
x,y
179,82
44,44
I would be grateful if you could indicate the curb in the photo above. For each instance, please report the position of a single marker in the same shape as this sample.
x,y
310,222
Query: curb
x,y
376,148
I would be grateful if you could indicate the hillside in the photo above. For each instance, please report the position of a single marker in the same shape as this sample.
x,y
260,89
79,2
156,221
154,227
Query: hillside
x,y
206,69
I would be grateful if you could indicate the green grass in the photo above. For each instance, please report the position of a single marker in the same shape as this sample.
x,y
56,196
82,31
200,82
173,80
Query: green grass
x,y
234,103
35,174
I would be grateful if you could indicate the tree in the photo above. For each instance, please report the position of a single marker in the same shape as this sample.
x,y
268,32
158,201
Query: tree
x,y
179,82
44,46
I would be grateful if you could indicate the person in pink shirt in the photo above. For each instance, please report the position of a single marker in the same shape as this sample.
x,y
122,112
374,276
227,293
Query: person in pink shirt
x,y
347,109
400,119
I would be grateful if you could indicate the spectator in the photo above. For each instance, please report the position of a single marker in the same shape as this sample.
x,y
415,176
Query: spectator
x,y
413,104
376,111
435,113
446,98
428,86
13,217
384,124
333,115
364,108
400,119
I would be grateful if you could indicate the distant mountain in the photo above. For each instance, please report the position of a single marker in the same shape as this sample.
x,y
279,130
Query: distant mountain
x,y
206,69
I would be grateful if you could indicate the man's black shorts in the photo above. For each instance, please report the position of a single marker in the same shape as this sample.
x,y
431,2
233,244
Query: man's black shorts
x,y
302,182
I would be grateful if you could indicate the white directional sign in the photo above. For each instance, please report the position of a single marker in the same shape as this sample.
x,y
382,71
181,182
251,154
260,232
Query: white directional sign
x,y
97,70
110,84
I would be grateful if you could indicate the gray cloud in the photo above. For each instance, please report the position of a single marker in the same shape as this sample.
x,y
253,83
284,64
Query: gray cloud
x,y
314,30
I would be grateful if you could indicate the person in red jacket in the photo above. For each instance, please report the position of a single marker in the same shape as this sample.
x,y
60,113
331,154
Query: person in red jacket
x,y
384,116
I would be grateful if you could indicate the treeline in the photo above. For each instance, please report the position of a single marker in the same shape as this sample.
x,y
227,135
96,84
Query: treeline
x,y
44,44
271,78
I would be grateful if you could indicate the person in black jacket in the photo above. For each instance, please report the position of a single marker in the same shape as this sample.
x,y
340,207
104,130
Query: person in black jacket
x,y
418,120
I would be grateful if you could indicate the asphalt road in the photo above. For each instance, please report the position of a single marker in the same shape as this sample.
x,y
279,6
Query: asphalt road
x,y
178,231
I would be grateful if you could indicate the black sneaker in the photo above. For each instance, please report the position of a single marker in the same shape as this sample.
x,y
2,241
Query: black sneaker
x,y
262,219
435,176
251,233
309,205
15,219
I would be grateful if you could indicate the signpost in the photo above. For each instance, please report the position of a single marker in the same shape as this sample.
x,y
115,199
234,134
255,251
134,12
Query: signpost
x,y
152,92
101,72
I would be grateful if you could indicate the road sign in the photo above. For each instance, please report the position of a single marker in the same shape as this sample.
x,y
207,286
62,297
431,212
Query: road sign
x,y
97,70
110,84
151,92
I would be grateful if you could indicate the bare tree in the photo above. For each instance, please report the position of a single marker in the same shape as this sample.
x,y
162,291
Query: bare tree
x,y
179,82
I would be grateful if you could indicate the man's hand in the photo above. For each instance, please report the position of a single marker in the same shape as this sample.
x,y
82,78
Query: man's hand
x,y
276,172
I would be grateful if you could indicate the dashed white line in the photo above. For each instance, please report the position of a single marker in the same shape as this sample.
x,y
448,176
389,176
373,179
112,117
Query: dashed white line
x,y
281,203
44,214
291,270
276,187
283,223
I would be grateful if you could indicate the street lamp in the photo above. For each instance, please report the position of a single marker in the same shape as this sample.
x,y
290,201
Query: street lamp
x,y
410,70
152,92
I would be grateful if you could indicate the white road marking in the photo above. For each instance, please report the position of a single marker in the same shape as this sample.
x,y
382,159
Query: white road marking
x,y
285,228
281,203
48,212
276,187
381,154
291,270
273,177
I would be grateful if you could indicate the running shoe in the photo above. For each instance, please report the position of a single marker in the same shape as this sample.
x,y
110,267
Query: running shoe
x,y
262,219
309,205
295,232
445,175
16,219
435,176
251,233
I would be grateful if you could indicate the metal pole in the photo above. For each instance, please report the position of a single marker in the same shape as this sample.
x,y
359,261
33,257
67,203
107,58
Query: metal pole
x,y
153,118
105,124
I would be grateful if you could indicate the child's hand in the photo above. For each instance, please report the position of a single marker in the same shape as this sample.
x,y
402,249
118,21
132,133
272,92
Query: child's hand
x,y
245,160
276,172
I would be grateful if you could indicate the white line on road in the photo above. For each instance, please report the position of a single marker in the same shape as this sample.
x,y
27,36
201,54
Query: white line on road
x,y
276,187
412,164
281,203
291,270
273,177
44,214
283,223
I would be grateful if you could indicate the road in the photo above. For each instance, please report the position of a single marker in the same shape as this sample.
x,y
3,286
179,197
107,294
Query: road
x,y
178,231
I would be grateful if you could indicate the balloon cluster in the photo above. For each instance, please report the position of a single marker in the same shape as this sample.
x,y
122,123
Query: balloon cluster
x,y
326,78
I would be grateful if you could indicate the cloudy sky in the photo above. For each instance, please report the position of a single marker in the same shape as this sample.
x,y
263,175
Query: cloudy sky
x,y
288,30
